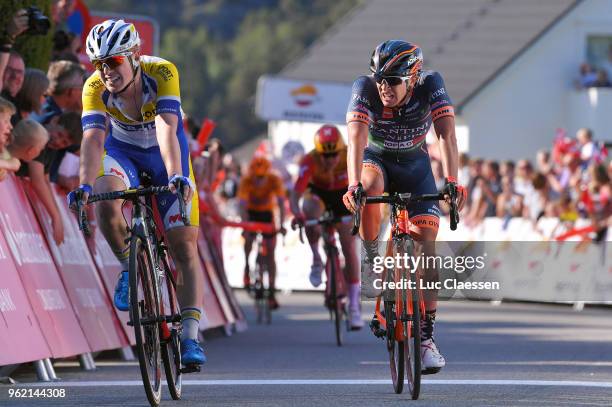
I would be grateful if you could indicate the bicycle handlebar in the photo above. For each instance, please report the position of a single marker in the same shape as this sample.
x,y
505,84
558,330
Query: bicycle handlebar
x,y
403,199
127,194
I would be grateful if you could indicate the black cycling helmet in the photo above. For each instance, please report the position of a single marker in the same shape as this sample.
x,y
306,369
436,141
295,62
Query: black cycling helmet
x,y
396,58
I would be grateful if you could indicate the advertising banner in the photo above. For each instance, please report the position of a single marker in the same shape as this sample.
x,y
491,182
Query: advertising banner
x,y
302,101
21,339
78,272
39,276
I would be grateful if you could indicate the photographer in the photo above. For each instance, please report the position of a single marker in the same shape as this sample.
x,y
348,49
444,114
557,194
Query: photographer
x,y
15,27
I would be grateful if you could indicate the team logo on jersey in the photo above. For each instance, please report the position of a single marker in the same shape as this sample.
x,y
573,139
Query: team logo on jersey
x,y
305,95
174,219
165,72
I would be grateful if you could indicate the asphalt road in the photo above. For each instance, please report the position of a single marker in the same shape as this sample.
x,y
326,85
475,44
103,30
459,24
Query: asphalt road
x,y
505,355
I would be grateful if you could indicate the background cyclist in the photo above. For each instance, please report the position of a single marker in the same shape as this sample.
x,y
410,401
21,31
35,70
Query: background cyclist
x,y
322,181
260,192
139,97
391,111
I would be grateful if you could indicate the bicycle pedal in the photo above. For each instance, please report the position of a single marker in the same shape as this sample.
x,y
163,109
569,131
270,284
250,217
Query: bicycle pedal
x,y
431,370
377,330
193,368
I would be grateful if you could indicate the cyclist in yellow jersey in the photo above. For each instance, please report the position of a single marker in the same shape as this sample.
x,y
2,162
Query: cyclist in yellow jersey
x,y
132,123
260,191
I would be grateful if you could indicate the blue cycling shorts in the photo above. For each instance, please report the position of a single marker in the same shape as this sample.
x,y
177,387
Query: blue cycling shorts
x,y
125,161
408,173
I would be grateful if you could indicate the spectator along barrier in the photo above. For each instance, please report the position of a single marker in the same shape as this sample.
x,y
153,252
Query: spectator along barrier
x,y
55,300
547,261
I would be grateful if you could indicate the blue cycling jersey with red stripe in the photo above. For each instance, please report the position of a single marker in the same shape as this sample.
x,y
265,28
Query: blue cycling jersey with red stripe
x,y
400,130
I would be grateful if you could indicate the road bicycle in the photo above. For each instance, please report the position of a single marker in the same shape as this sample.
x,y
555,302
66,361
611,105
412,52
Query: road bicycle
x,y
154,311
259,289
403,308
336,287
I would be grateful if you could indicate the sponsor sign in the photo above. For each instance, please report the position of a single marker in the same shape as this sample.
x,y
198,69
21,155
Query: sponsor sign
x,y
302,101
78,272
20,330
38,273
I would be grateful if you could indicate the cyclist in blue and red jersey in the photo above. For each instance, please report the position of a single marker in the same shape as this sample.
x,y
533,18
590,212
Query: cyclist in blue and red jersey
x,y
388,117
132,122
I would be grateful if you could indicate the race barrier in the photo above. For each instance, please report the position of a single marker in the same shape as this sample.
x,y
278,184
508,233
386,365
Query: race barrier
x,y
56,301
549,261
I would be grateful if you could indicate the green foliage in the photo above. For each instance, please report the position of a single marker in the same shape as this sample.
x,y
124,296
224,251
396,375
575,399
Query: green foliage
x,y
35,49
222,47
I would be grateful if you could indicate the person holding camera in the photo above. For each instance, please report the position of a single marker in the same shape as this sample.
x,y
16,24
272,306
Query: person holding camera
x,y
12,67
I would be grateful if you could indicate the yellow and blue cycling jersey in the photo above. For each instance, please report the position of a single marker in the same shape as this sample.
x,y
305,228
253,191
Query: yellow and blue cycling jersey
x,y
131,146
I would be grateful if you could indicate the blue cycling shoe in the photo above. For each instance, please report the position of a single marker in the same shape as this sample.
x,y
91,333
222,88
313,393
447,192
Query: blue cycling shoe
x,y
122,298
192,352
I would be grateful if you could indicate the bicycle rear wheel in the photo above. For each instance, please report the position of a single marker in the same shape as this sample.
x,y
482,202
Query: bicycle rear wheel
x,y
395,348
171,344
413,350
144,314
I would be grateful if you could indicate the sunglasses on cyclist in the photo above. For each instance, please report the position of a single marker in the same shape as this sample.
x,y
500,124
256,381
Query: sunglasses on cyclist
x,y
391,80
330,155
111,62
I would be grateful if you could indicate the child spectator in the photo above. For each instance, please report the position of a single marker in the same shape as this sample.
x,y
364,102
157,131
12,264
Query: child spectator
x,y
36,167
7,162
29,139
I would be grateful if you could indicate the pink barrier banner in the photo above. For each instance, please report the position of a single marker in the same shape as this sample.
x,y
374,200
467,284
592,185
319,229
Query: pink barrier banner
x,y
39,276
78,272
109,269
216,286
211,233
21,339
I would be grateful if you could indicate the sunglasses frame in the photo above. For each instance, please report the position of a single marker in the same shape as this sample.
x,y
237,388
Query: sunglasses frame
x,y
391,80
118,60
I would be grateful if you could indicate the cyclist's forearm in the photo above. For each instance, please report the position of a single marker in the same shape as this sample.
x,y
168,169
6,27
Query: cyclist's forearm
x,y
92,148
445,130
294,201
166,125
357,140
281,209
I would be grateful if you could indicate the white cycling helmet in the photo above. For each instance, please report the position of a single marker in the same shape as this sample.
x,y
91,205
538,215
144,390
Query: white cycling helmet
x,y
111,37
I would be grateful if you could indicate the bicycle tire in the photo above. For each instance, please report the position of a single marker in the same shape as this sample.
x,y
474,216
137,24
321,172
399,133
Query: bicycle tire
x,y
395,348
171,348
413,350
411,322
144,304
335,301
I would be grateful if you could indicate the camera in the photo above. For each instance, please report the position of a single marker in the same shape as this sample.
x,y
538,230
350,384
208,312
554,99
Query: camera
x,y
38,23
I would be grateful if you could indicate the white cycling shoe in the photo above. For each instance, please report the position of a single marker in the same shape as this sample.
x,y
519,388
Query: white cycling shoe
x,y
368,277
432,360
355,319
315,274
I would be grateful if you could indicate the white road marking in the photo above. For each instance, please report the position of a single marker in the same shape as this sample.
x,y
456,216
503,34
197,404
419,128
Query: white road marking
x,y
306,382
514,363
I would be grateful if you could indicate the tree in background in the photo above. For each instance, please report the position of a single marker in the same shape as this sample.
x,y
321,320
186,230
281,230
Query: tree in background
x,y
221,48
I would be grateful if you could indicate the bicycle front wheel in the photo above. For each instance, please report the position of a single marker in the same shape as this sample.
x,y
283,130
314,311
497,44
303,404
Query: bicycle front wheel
x,y
144,315
395,348
171,344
